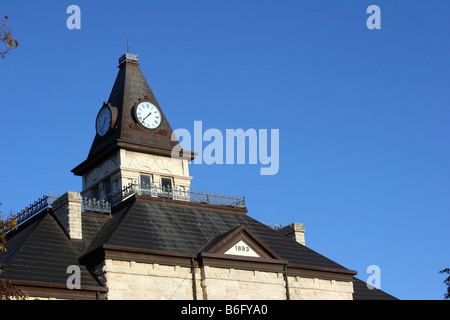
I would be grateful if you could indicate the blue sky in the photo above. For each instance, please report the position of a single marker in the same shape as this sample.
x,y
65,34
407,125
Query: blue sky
x,y
363,114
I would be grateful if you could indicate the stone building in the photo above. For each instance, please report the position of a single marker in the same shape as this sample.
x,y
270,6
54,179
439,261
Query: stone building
x,y
137,230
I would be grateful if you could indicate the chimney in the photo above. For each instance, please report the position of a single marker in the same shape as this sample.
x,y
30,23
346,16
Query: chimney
x,y
295,231
67,210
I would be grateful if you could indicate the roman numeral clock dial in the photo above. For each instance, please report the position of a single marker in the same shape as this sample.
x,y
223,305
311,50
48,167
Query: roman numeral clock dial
x,y
148,115
104,121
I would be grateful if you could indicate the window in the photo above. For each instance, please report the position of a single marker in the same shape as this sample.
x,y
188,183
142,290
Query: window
x,y
115,186
145,184
145,181
107,187
96,193
166,184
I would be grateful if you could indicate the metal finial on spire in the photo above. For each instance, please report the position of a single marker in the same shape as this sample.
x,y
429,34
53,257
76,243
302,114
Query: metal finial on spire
x,y
128,56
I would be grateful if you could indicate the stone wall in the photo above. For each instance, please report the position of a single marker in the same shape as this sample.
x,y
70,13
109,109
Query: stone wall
x,y
226,284
135,280
302,288
125,167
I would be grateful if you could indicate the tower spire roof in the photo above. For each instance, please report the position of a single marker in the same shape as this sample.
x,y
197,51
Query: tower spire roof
x,y
129,89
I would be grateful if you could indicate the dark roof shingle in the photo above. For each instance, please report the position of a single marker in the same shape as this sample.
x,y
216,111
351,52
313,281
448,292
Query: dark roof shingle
x,y
168,227
42,252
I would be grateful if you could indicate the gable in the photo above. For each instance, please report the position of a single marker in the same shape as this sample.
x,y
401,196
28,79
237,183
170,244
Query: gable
x,y
242,248
240,241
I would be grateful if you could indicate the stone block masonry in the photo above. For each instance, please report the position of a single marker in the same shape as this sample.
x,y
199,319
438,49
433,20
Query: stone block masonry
x,y
134,280
152,281
67,210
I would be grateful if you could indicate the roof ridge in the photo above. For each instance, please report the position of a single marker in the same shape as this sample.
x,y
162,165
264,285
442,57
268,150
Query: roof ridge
x,y
218,238
295,244
49,264
113,223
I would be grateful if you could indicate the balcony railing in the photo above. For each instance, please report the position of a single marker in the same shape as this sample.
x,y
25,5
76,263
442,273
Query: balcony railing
x,y
104,206
34,208
177,193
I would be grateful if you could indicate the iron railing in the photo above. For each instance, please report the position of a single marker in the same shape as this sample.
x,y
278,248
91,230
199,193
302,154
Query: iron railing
x,y
177,193
104,206
95,206
34,208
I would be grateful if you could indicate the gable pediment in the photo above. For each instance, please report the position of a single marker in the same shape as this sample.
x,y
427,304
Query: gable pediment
x,y
241,242
242,248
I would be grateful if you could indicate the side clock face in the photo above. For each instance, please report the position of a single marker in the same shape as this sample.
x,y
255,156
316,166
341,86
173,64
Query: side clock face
x,y
103,122
148,115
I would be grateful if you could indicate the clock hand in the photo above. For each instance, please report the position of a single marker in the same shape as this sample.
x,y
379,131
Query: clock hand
x,y
147,116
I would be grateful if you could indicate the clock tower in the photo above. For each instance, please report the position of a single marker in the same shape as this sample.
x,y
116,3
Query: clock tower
x,y
133,141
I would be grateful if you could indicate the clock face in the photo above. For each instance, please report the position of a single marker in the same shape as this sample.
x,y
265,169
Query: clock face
x,y
103,122
148,115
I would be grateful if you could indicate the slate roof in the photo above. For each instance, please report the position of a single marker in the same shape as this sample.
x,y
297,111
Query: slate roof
x,y
362,292
41,251
162,226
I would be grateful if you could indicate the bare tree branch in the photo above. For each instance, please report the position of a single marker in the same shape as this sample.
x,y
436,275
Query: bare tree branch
x,y
5,36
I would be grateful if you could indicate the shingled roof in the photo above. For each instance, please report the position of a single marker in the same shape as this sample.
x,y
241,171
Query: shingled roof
x,y
183,227
39,252
38,255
